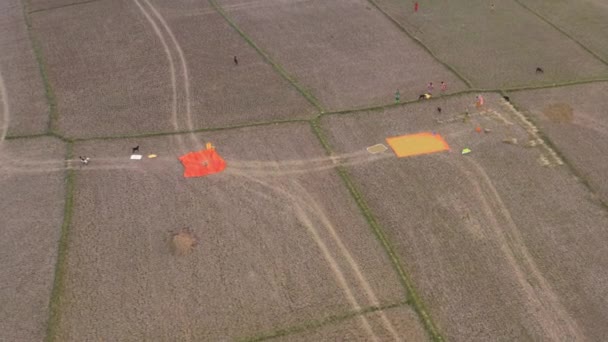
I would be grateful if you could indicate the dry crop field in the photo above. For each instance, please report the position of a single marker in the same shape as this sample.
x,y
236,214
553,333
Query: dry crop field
x,y
306,235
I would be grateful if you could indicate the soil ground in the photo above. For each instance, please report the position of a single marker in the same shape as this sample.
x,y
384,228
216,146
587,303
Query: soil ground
x,y
280,241
28,112
305,235
108,61
31,212
345,52
574,119
489,49
580,19
482,232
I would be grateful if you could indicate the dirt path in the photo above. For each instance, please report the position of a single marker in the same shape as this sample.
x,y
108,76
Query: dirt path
x,y
172,71
306,208
184,72
5,109
543,303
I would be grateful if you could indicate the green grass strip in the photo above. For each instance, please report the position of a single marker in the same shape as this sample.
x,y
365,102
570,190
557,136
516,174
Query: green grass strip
x,y
309,96
62,6
419,42
412,294
48,90
316,324
55,301
600,58
201,130
27,136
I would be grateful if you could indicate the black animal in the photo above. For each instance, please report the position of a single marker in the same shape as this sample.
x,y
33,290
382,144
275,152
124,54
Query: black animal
x,y
135,149
84,160
540,70
424,96
439,110
508,99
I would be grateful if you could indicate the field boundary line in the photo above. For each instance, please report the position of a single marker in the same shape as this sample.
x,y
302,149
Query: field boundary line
x,y
562,31
302,120
55,301
419,42
200,130
48,89
565,161
412,295
62,6
314,324
309,96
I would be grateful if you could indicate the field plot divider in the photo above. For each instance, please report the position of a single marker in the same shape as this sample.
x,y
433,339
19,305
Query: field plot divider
x,y
48,90
55,302
315,324
413,297
404,30
600,58
310,97
62,6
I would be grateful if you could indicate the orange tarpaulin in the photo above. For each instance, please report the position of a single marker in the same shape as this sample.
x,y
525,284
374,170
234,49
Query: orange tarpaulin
x,y
416,144
202,163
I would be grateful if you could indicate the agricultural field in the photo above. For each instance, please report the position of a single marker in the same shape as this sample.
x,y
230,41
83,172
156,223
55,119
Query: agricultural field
x,y
279,241
343,213
20,79
492,50
494,239
345,53
574,119
580,19
31,215
116,69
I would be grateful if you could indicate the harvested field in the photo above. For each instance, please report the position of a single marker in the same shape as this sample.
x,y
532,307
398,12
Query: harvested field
x,y
584,20
498,48
106,79
280,241
31,214
351,330
132,72
344,52
574,119
222,93
494,240
23,106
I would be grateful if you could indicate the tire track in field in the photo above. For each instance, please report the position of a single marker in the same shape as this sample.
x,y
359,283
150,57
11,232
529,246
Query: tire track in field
x,y
543,301
5,109
304,210
172,69
184,72
302,166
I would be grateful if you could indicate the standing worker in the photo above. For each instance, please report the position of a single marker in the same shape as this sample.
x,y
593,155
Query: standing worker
x,y
444,86
416,6
397,96
236,61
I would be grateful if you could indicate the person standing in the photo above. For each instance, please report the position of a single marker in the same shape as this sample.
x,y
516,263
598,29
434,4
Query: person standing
x,y
444,86
416,6
430,87
236,61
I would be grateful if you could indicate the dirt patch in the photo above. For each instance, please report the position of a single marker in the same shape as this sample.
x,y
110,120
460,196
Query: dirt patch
x,y
559,112
183,242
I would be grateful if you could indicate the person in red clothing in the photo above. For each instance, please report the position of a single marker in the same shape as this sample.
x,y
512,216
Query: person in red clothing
x,y
444,86
416,6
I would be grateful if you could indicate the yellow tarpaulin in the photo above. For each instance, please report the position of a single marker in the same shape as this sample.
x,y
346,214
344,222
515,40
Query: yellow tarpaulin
x,y
416,144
